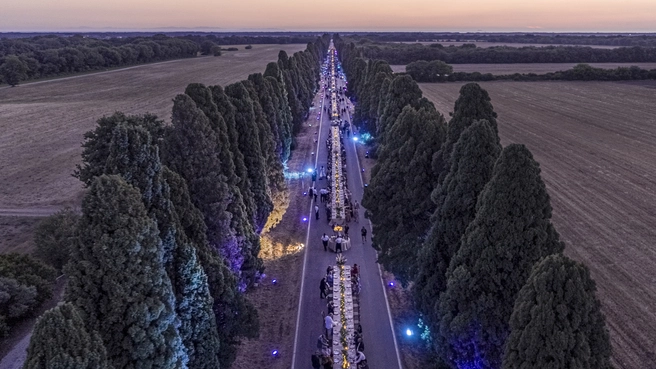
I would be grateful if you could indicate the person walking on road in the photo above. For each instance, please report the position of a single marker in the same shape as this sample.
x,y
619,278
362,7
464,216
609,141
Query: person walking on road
x,y
324,240
323,286
328,325
364,234
316,211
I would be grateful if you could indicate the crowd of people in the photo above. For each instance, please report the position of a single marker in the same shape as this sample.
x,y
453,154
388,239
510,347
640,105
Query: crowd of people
x,y
323,356
340,239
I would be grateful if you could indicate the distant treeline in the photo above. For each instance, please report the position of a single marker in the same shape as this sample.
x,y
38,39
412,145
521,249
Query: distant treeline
x,y
524,38
438,71
48,56
53,55
470,54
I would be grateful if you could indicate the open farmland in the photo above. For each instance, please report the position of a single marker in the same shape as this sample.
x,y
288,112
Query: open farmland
x,y
538,68
596,144
486,44
43,123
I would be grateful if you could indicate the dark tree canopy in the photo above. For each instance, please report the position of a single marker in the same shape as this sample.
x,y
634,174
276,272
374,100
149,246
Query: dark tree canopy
x,y
117,279
54,237
398,196
60,340
248,132
474,156
512,230
473,104
13,70
96,142
557,320
190,149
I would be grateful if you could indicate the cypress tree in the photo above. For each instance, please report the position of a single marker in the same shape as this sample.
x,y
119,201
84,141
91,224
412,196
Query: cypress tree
x,y
198,329
398,197
235,316
96,142
133,156
402,91
249,144
189,148
275,177
118,282
283,116
474,156
240,222
270,132
228,111
265,97
136,159
473,104
60,340
557,320
510,233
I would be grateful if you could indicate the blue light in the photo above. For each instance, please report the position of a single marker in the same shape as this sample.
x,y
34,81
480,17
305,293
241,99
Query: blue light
x,y
310,170
275,353
274,281
408,332
305,219
391,283
355,138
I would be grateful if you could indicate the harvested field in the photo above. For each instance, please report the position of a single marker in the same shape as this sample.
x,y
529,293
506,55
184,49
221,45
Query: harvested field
x,y
16,233
595,142
43,122
485,44
538,68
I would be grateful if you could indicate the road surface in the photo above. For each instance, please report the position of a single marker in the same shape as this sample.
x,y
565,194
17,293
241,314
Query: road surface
x,y
379,340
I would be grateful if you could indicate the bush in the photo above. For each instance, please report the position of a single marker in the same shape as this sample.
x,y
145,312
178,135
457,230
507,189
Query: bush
x,y
24,284
29,272
230,49
216,50
54,236
248,47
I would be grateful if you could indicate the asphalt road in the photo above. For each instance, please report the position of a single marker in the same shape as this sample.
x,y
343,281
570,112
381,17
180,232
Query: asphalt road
x,y
380,343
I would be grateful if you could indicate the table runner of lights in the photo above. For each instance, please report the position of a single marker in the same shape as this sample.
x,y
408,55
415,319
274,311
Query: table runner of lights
x,y
343,338
337,197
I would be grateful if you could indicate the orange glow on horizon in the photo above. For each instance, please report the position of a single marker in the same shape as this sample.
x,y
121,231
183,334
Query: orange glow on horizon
x,y
339,15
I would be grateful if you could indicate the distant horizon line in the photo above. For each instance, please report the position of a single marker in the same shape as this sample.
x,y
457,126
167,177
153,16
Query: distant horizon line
x,y
83,29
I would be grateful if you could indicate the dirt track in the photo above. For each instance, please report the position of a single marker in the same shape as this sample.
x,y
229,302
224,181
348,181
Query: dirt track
x,y
595,143
43,123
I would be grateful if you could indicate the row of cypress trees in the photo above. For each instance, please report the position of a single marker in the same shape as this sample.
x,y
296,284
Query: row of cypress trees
x,y
168,239
467,223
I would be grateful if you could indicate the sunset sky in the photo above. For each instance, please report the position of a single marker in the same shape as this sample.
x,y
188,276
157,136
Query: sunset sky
x,y
337,15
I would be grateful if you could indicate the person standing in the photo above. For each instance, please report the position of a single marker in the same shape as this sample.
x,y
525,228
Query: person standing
x,y
324,240
364,234
323,286
338,244
316,211
310,192
328,325
315,195
346,228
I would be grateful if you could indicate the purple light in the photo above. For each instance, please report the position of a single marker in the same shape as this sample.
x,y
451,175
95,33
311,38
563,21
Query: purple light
x,y
274,281
391,284
275,353
305,219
